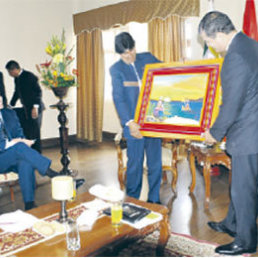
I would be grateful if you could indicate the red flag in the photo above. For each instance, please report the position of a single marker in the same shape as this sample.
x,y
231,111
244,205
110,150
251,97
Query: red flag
x,y
250,24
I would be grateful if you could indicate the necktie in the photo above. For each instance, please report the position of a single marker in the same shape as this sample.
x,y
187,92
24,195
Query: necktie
x,y
137,75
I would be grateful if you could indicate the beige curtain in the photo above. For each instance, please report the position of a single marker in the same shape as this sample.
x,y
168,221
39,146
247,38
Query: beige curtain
x,y
166,38
90,94
133,10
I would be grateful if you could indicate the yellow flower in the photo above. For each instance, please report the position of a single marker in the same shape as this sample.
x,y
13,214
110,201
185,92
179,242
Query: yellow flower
x,y
57,48
49,50
68,78
54,73
58,58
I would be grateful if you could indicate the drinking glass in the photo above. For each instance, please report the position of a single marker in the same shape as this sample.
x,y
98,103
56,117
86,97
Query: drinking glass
x,y
116,213
72,236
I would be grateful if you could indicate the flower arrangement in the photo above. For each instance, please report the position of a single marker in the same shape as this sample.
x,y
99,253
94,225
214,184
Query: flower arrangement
x,y
55,73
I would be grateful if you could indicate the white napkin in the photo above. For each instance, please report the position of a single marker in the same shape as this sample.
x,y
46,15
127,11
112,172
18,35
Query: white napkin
x,y
87,219
96,205
107,193
16,221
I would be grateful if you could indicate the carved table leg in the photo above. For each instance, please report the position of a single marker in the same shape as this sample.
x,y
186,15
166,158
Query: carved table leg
x,y
121,169
193,171
174,168
11,192
207,181
163,236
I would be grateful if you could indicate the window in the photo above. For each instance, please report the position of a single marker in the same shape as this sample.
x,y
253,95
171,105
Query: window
x,y
188,37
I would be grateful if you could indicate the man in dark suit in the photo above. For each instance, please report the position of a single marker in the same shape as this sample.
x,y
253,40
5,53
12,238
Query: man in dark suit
x,y
16,155
237,120
29,92
126,81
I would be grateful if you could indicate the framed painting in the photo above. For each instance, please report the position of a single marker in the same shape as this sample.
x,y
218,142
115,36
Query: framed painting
x,y
179,100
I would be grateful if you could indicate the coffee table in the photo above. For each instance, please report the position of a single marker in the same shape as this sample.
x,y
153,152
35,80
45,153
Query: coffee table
x,y
102,233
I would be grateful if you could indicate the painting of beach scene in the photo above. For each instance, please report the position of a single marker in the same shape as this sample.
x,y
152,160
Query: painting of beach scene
x,y
179,100
185,102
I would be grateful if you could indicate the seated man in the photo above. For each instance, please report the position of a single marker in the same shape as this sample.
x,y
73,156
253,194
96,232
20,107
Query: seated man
x,y
16,155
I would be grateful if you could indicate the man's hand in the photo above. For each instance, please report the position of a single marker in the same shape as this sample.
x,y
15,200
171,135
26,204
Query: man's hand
x,y
16,140
209,138
34,113
26,141
135,130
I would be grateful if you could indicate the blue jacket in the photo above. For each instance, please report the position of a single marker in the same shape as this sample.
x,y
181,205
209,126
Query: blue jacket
x,y
12,126
126,87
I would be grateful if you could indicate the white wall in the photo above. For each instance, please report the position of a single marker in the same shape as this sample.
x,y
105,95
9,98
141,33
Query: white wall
x,y
26,26
234,9
85,5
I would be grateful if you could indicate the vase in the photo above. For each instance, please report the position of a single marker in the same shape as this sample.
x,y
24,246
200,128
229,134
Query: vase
x,y
60,92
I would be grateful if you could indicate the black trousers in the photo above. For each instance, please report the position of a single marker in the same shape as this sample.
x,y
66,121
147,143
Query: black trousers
x,y
242,212
31,127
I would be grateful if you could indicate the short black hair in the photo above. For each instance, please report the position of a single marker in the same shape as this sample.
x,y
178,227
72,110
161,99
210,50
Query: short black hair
x,y
123,41
214,22
11,65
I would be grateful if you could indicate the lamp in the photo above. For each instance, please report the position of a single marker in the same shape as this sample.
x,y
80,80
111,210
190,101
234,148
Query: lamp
x,y
62,190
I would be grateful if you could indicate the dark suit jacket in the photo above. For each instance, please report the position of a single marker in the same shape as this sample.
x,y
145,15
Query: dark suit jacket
x,y
126,87
12,126
28,91
238,116
2,88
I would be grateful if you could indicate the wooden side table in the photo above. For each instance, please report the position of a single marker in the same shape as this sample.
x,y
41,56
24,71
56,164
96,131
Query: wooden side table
x,y
208,157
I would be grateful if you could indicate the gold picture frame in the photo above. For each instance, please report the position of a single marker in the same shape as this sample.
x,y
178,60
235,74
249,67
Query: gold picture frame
x,y
179,100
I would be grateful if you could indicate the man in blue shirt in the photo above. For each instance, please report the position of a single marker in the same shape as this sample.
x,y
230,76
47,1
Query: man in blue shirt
x,y
126,82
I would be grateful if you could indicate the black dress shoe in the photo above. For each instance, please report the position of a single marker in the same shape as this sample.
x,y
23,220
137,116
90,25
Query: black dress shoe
x,y
30,205
219,227
233,249
52,173
79,182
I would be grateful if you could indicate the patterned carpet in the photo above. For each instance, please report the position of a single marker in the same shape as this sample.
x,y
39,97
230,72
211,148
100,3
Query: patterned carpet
x,y
177,246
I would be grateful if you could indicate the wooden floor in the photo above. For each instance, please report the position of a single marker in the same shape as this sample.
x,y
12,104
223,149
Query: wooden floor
x,y
98,164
